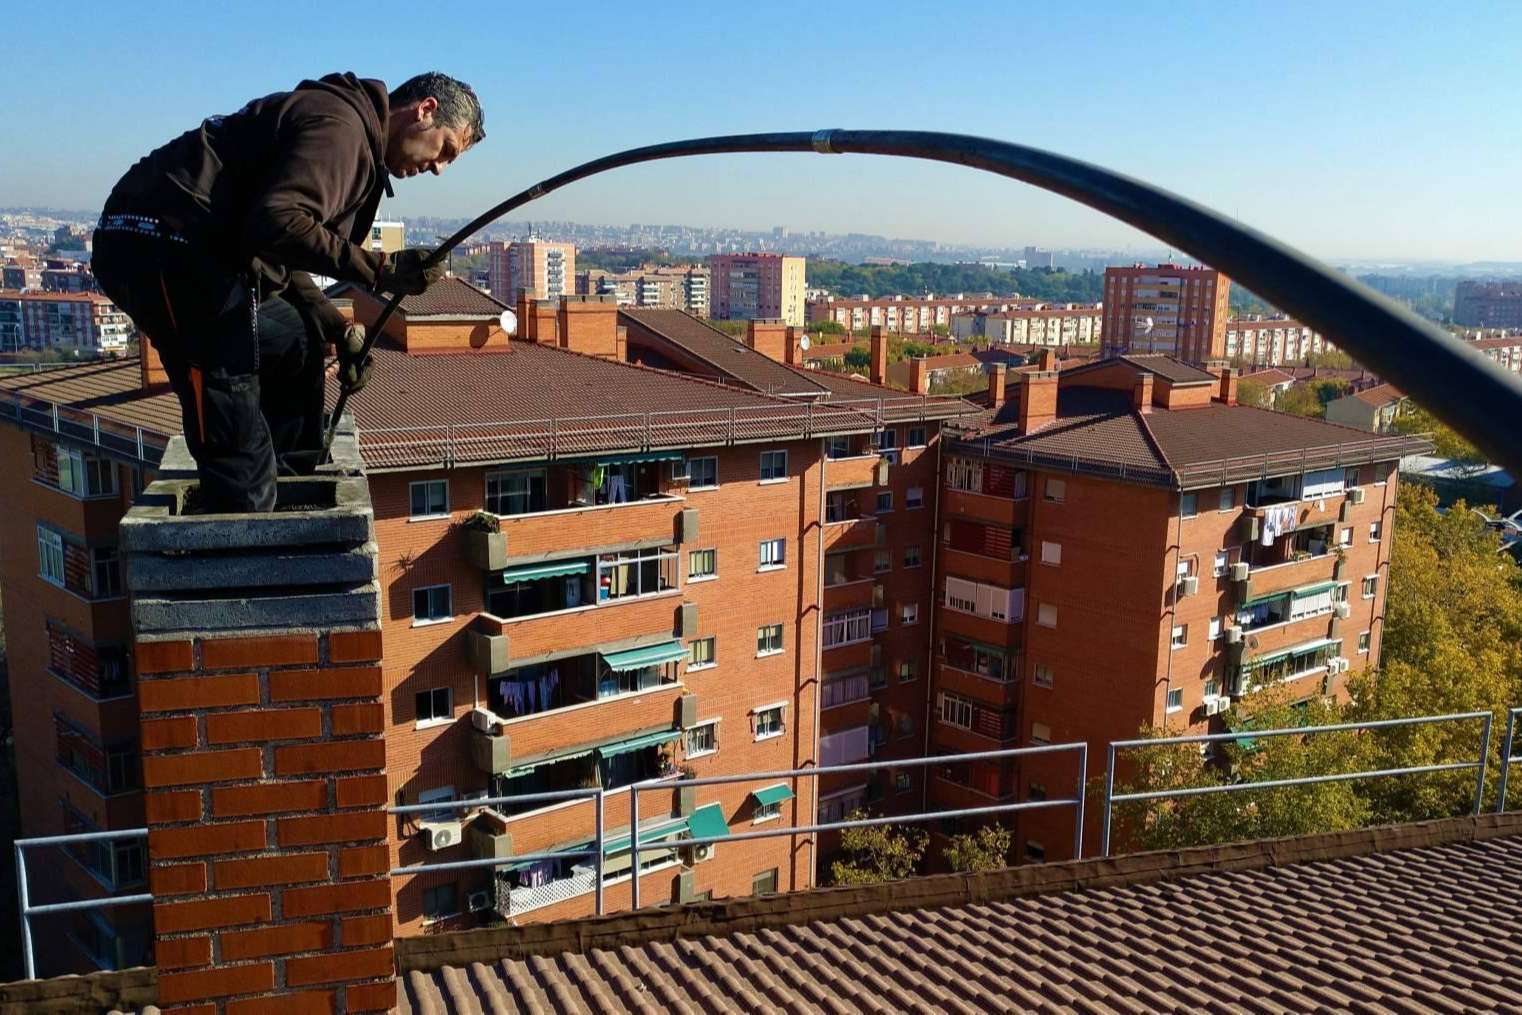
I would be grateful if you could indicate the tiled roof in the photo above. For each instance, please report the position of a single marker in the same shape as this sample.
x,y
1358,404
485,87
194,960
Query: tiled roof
x,y
1170,369
450,297
731,358
897,405
1380,394
1411,918
1273,375
111,389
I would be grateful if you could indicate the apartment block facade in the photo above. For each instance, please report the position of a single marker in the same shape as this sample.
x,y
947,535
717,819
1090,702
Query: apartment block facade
x,y
540,267
757,286
1271,342
1166,309
1488,304
906,315
86,322
1041,325
675,287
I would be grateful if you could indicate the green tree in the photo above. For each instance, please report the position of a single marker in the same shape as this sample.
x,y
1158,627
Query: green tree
x,y
1445,440
734,329
828,328
1244,814
858,358
877,853
1452,642
1331,359
987,849
1254,393
1311,398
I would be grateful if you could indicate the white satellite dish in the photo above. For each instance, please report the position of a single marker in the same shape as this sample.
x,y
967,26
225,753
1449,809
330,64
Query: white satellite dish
x,y
1146,326
509,322
803,343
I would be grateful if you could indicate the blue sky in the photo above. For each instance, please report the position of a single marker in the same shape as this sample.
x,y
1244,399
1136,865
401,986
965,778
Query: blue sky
x,y
1350,129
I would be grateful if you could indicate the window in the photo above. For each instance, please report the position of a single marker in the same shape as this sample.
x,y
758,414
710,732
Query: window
x,y
887,439
1363,643
843,688
515,493
1175,699
1041,733
1051,553
700,654
764,883
85,475
766,812
1228,498
1222,562
907,671
916,437
1212,688
1046,615
703,473
768,721
435,705
1042,676
912,556
440,901
882,561
1056,489
430,604
773,553
909,613
440,794
1345,537
50,555
629,574
901,782
1035,791
1180,635
430,498
838,447
956,710
1214,633
965,474
904,725
773,466
769,640
105,573
1035,852
1004,605
884,502
1374,531
703,739
1350,477
847,627
702,565
1370,585
914,498
877,678
1189,504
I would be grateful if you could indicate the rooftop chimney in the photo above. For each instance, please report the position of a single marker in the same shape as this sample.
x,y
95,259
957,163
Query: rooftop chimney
x,y
1046,360
257,644
768,337
996,374
792,350
879,374
1038,400
1141,393
1229,379
150,367
589,325
919,376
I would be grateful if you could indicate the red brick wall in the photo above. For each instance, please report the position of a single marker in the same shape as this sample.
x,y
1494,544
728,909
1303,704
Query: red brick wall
x,y
264,764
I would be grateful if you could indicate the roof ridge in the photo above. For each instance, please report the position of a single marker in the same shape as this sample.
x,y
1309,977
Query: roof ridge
x,y
1154,443
690,378
722,368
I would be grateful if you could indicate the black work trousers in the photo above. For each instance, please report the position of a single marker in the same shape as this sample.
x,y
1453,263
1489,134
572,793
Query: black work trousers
x,y
248,374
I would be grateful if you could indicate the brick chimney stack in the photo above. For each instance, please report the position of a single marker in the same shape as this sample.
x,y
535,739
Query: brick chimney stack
x,y
1046,360
1038,400
996,375
879,373
791,346
589,325
919,376
257,645
1228,390
152,375
1141,393
768,337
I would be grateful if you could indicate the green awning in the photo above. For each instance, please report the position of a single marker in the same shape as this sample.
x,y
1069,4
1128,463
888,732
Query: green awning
x,y
651,834
554,569
635,458
772,794
1265,597
635,743
527,765
1283,653
649,655
1311,590
707,822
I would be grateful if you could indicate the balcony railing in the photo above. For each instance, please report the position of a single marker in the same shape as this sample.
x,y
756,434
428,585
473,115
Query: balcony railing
x,y
133,442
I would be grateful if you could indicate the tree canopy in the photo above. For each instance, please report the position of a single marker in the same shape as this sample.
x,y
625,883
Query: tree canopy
x,y
915,279
877,853
1445,440
987,849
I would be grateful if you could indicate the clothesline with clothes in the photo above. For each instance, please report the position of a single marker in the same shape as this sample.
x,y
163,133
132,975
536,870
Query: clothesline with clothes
x,y
531,694
1277,520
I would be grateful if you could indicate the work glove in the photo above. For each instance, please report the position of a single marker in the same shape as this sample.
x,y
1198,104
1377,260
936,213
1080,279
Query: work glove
x,y
354,367
406,272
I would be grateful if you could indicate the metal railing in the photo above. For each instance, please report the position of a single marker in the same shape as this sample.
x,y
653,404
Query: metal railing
x,y
1112,798
580,436
114,436
599,796
23,896
1508,744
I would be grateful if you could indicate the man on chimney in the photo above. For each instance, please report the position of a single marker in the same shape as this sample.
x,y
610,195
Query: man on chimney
x,y
210,243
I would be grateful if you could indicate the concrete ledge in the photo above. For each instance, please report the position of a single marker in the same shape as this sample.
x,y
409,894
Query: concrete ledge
x,y
125,990
151,572
152,616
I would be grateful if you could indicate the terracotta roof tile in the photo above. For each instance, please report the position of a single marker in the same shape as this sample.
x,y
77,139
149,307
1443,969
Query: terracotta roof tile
x,y
451,297
731,358
1380,394
1419,925
110,389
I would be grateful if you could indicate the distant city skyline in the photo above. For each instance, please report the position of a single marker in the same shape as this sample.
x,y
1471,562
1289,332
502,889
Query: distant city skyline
x,y
1384,134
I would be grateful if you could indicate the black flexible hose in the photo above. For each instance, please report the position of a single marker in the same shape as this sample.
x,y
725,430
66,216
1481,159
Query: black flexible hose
x,y
1453,381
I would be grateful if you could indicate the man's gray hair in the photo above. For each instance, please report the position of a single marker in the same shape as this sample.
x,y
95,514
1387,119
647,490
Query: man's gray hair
x,y
458,105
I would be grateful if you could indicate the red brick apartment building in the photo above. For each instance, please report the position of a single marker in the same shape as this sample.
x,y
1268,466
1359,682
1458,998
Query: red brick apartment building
x,y
1124,544
628,547
1166,309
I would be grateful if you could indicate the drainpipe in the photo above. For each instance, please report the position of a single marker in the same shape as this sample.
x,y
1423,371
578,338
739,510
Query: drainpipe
x,y
935,620
813,815
1178,540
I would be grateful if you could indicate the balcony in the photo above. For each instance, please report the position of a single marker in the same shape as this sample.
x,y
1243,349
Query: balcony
x,y
860,592
982,568
858,471
993,509
850,533
1276,578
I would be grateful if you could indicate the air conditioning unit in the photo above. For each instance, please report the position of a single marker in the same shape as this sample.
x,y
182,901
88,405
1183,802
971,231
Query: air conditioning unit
x,y
1355,495
1342,610
1233,635
1212,704
441,834
1189,586
698,853
477,901
1240,571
